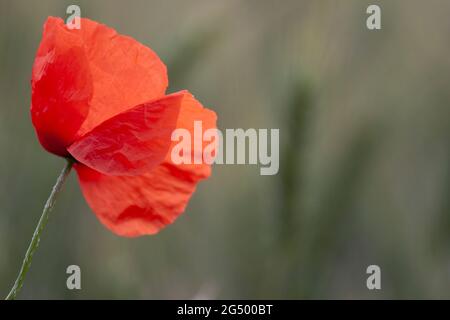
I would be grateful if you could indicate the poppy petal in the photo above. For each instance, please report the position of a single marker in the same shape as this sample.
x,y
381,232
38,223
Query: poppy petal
x,y
138,205
192,113
143,204
61,87
125,73
133,141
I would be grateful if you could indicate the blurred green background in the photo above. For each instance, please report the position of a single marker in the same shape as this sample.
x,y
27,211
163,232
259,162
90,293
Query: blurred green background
x,y
364,121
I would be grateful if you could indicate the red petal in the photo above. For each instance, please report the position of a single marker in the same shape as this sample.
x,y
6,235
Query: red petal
x,y
125,73
137,205
191,112
133,141
84,77
61,87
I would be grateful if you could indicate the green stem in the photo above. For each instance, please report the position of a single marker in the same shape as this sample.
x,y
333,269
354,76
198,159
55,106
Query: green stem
x,y
37,233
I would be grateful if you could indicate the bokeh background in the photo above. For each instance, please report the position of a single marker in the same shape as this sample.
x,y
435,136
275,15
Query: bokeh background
x,y
364,121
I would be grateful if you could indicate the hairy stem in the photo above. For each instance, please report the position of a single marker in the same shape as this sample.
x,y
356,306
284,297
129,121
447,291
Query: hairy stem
x,y
39,228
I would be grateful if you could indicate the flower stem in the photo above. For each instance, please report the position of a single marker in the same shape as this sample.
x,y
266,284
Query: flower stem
x,y
37,233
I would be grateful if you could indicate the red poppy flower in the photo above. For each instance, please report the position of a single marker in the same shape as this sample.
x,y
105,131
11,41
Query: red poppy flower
x,y
99,97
